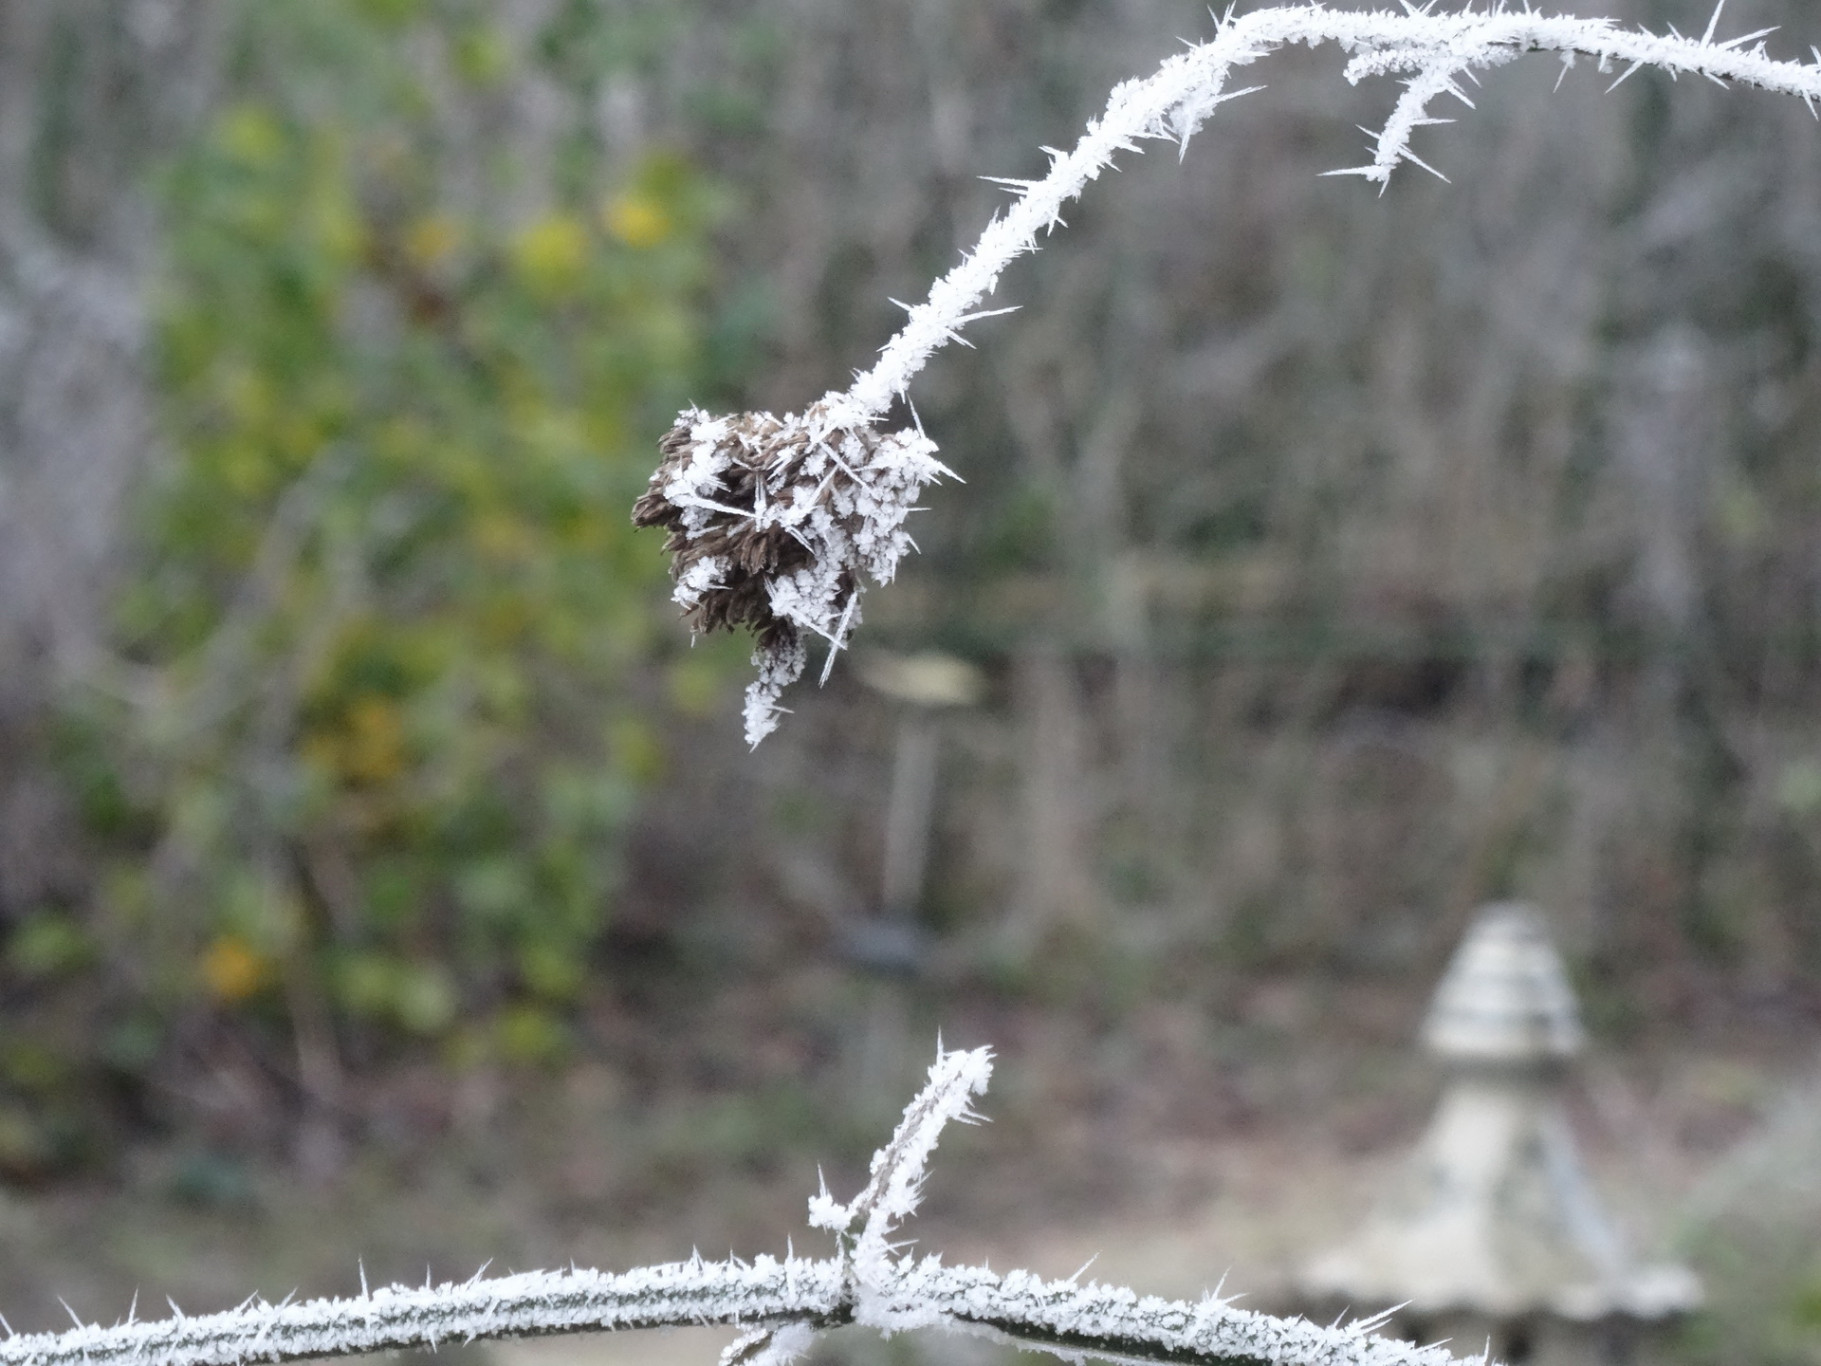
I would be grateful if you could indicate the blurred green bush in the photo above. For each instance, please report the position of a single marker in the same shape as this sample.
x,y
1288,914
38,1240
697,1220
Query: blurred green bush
x,y
397,664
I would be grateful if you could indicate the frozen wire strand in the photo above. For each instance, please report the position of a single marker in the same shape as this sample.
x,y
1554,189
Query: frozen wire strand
x,y
896,1186
1116,1324
1184,91
394,1318
787,1300
955,1078
746,1347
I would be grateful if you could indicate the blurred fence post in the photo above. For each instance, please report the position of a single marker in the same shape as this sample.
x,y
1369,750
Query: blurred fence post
x,y
891,944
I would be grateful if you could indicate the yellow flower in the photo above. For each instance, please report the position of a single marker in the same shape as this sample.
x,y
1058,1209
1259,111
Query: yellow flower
x,y
636,219
337,225
250,135
551,252
376,741
483,56
232,970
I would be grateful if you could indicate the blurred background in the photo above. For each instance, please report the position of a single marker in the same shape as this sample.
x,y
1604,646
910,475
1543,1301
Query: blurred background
x,y
382,873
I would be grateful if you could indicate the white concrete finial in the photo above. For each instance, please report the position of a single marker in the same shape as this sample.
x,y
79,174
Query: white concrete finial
x,y
1505,997
1491,1217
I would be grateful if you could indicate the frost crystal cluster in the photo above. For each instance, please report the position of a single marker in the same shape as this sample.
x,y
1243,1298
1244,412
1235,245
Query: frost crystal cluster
x,y
765,535
773,520
783,1304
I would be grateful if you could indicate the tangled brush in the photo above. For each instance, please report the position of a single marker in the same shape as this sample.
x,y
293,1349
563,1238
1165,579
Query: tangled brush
x,y
773,520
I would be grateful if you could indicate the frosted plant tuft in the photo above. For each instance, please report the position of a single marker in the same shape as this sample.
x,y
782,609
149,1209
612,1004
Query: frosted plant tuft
x,y
772,523
776,523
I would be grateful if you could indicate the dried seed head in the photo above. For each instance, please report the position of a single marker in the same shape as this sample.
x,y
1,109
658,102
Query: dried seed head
x,y
772,521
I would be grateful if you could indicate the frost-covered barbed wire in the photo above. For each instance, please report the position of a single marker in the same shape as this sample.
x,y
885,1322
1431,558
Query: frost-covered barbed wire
x,y
396,1317
784,1303
775,522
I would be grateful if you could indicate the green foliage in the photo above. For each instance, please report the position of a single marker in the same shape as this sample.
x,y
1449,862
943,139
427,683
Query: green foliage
x,y
398,641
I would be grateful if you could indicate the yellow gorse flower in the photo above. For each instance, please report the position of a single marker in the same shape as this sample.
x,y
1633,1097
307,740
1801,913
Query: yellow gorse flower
x,y
637,220
232,969
551,252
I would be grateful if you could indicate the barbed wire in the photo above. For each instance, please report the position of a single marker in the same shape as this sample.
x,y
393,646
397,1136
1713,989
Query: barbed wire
x,y
783,1303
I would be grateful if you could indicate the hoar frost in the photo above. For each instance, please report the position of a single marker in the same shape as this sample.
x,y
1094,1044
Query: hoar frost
x,y
773,521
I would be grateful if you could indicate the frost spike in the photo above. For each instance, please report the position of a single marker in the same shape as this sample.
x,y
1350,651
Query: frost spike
x,y
1741,41
1624,76
1409,155
1713,22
